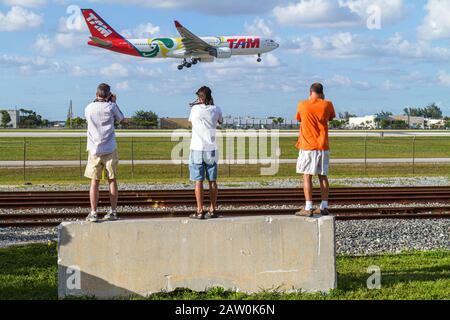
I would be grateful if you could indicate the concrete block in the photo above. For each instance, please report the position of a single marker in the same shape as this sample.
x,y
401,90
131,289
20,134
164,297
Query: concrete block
x,y
248,254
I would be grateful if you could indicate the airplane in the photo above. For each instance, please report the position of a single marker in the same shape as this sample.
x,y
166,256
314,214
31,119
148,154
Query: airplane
x,y
189,47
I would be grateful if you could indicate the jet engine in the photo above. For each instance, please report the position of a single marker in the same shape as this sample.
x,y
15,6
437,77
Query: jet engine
x,y
221,53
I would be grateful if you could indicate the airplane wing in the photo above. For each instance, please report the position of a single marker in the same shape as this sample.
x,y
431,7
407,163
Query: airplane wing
x,y
191,42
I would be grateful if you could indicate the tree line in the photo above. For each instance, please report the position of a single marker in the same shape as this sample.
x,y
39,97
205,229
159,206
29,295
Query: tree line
x,y
140,120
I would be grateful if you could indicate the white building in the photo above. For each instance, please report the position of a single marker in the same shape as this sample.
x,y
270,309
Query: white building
x,y
367,122
15,117
438,123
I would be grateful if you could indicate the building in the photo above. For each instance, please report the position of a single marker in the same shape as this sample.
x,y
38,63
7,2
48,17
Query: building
x,y
367,122
435,123
15,118
230,122
413,122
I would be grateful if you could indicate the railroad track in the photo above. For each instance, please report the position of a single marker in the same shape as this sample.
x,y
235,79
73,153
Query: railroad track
x,y
234,197
53,219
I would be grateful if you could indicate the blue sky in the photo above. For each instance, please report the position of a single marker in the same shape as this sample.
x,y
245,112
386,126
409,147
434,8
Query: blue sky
x,y
402,60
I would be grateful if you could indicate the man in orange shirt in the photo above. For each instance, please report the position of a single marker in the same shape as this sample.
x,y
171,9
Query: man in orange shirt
x,y
314,115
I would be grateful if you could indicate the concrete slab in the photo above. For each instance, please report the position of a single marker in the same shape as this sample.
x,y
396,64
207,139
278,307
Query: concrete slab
x,y
248,254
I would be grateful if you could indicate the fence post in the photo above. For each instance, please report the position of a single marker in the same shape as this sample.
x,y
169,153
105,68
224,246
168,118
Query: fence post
x,y
24,159
414,155
365,155
132,157
81,172
229,157
181,162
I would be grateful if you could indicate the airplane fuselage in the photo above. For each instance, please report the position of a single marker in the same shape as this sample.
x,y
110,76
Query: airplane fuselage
x,y
174,48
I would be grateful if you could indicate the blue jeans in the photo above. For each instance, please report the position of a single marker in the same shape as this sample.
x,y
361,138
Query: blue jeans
x,y
203,164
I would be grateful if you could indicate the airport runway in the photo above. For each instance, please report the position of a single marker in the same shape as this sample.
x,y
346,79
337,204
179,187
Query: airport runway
x,y
75,163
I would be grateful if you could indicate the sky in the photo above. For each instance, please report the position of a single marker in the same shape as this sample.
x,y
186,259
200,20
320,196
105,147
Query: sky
x,y
371,55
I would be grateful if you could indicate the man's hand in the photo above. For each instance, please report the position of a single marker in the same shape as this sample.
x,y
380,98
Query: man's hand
x,y
113,98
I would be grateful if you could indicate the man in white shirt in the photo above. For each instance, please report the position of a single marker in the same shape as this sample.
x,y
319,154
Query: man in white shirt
x,y
101,145
203,157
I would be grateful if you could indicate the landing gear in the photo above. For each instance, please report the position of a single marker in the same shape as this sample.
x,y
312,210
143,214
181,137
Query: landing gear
x,y
259,57
187,63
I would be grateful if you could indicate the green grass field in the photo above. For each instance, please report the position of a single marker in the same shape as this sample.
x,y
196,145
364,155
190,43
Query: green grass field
x,y
160,148
29,272
227,174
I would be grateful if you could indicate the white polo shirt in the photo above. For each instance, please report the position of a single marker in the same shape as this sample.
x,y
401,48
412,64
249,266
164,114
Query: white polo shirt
x,y
204,121
100,117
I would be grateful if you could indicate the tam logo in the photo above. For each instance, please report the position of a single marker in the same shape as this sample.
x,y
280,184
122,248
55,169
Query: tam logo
x,y
244,43
100,26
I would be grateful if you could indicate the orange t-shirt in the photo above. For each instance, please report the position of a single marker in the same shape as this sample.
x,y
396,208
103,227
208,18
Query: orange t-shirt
x,y
314,116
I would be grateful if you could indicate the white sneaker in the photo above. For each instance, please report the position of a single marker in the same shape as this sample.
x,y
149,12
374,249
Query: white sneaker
x,y
111,216
92,217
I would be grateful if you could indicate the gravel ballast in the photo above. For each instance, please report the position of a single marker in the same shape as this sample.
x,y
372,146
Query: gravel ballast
x,y
362,237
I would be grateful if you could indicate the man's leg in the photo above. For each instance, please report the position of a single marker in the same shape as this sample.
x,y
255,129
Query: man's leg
x,y
199,195
325,191
93,194
308,190
213,191
113,194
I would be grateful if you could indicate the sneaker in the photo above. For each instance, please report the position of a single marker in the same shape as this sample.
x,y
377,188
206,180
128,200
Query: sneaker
x,y
322,212
111,216
92,217
304,213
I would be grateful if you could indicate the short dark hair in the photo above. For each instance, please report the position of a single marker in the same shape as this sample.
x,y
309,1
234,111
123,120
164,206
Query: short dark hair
x,y
103,90
317,88
205,94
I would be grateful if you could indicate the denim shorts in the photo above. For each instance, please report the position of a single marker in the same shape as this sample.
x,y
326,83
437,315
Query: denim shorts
x,y
203,165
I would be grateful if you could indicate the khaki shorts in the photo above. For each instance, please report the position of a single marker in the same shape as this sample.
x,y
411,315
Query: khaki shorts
x,y
96,164
313,163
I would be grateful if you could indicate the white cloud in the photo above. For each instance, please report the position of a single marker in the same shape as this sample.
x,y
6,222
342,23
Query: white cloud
x,y
350,45
259,27
205,6
18,18
24,3
30,66
436,24
115,70
145,30
49,45
335,14
44,45
344,81
388,85
444,78
123,86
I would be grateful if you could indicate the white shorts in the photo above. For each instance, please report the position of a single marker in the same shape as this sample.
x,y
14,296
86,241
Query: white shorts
x,y
313,162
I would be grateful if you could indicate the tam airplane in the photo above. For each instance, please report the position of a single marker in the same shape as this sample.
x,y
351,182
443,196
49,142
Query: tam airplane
x,y
189,47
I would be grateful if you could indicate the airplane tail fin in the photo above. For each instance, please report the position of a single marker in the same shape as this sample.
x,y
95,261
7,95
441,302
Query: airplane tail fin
x,y
98,27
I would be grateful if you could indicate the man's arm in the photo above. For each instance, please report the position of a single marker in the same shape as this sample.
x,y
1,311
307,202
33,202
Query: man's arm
x,y
220,119
332,112
118,115
298,116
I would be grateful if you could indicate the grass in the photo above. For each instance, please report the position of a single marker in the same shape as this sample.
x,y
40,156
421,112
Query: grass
x,y
227,174
30,272
160,148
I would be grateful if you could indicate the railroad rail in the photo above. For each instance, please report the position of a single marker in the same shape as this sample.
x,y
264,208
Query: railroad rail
x,y
52,220
236,198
